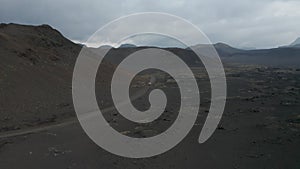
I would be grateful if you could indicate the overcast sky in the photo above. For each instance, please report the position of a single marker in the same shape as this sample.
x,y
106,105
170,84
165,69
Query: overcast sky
x,y
240,23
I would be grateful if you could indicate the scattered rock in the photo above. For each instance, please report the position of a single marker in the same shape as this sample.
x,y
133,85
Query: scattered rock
x,y
255,155
62,105
221,128
9,128
297,120
56,152
254,110
5,142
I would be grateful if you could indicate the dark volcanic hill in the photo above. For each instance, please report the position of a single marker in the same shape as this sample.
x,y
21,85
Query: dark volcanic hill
x,y
286,57
36,43
283,56
35,75
36,70
223,49
127,45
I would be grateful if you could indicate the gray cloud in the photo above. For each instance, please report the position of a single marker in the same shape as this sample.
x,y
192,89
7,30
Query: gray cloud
x,y
249,23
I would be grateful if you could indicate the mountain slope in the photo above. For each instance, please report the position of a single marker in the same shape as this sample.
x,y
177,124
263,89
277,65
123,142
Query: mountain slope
x,y
36,68
296,43
282,56
36,43
35,75
127,45
225,50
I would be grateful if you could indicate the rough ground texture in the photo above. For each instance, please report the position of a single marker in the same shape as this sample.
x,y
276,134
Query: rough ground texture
x,y
259,128
36,70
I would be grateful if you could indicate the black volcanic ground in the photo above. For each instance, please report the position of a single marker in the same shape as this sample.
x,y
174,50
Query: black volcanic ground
x,y
38,128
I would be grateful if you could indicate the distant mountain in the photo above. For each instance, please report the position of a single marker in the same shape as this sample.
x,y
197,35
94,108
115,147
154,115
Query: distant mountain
x,y
282,56
247,48
223,49
127,45
105,46
297,46
226,50
296,43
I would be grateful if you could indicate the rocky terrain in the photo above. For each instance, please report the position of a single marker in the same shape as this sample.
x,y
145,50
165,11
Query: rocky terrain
x,y
35,76
38,129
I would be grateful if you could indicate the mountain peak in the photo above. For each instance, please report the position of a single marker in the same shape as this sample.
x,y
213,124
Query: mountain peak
x,y
127,45
41,35
16,25
222,45
296,42
36,43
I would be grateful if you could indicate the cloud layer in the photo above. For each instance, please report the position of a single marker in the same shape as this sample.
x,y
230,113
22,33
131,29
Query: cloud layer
x,y
241,23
